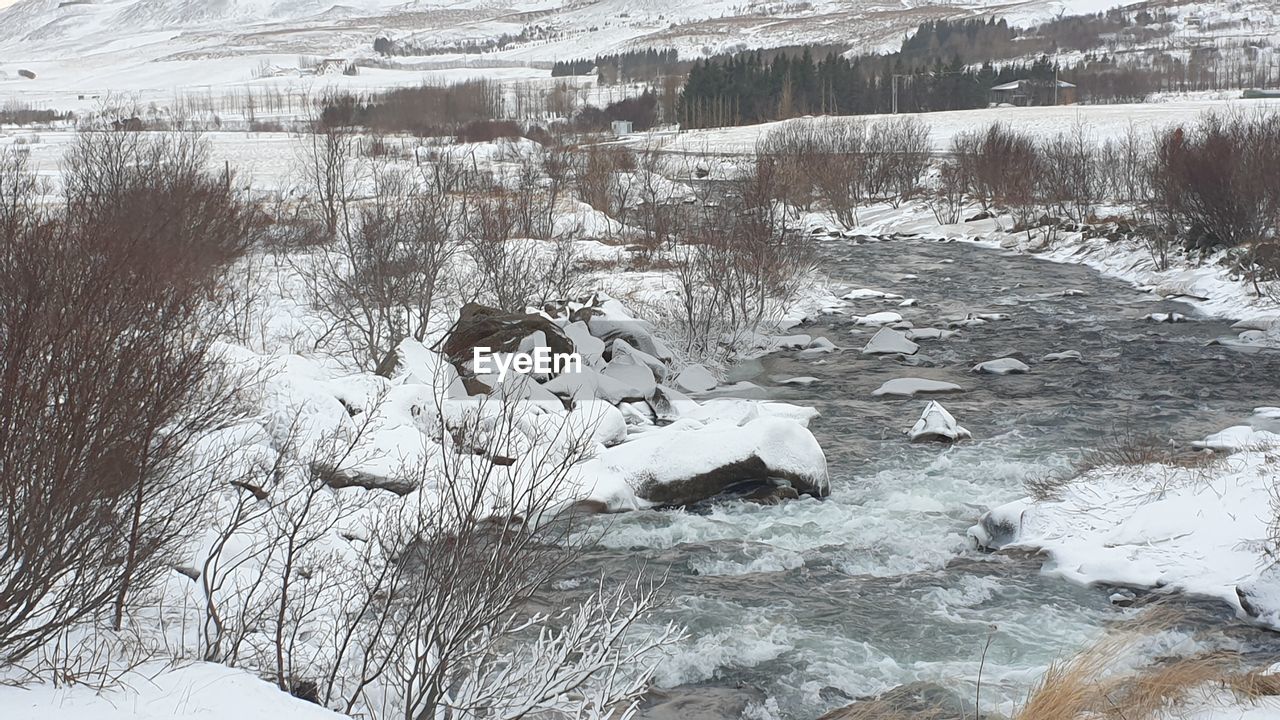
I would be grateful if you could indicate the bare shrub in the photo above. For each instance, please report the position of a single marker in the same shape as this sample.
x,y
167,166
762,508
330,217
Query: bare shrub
x,y
897,158
946,194
330,173
378,281
739,265
425,605
1001,165
1070,175
1216,180
107,378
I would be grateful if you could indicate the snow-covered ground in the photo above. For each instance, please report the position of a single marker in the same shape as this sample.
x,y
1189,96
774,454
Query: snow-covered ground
x,y
1102,122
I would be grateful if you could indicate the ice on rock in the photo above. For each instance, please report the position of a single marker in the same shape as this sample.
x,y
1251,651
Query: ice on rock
x,y
936,424
1257,322
1002,366
888,341
869,294
1239,437
929,333
1165,317
802,381
909,302
1064,355
695,379
880,318
909,387
819,346
1260,597
687,462
669,404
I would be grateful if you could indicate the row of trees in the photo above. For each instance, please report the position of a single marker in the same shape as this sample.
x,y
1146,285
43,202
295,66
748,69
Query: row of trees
x,y
1204,186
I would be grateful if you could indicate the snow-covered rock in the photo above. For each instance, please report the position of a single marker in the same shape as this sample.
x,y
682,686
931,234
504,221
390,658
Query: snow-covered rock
x,y
590,347
1002,366
929,333
1239,437
908,387
869,294
1064,355
620,349
888,341
936,424
1201,530
880,318
802,381
636,375
687,462
695,378
1172,317
590,384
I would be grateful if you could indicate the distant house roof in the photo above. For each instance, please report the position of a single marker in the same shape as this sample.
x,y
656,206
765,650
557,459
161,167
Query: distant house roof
x,y
1017,85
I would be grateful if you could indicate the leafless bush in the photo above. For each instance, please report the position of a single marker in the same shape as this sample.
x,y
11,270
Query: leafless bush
x,y
897,158
1216,180
106,377
329,172
1000,164
1071,177
421,606
378,281
1127,165
946,195
738,265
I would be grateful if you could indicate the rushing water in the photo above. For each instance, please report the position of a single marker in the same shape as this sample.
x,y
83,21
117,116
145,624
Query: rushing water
x,y
805,605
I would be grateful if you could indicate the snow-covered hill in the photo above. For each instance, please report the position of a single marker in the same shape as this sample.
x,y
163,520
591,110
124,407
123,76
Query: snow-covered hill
x,y
41,28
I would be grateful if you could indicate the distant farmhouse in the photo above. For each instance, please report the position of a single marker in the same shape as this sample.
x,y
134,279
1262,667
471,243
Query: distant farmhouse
x,y
1033,92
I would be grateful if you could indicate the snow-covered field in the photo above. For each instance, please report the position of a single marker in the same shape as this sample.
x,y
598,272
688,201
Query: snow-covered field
x,y
1101,122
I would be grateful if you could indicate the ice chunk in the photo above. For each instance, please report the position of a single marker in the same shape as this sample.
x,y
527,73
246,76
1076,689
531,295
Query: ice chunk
x,y
1002,366
936,424
889,341
908,387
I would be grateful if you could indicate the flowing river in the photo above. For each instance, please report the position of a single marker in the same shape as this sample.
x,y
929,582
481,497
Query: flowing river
x,y
802,607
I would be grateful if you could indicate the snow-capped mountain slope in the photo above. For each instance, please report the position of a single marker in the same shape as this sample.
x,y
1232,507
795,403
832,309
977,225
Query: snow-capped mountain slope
x,y
36,28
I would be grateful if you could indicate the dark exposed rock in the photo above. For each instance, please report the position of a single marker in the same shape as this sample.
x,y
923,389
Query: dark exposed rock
x,y
727,479
500,331
338,479
692,702
918,700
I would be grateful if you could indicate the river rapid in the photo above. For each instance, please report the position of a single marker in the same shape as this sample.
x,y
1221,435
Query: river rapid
x,y
798,608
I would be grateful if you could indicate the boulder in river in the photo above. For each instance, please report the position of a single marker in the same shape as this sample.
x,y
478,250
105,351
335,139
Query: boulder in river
x,y
688,462
1002,366
880,318
1064,355
1260,598
909,387
888,341
937,425
869,294
929,333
